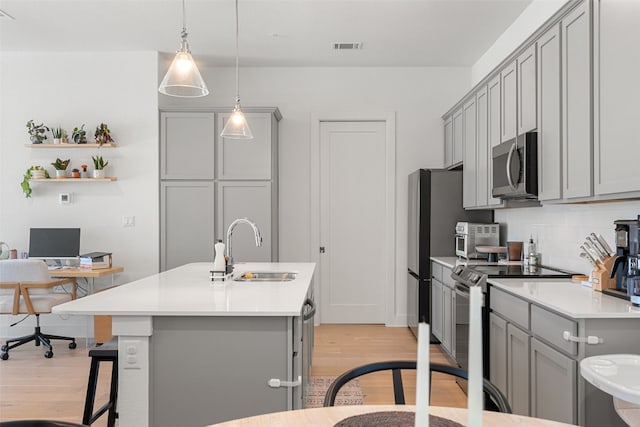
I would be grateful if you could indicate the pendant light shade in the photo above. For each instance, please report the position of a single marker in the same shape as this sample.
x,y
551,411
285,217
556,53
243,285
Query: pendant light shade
x,y
183,78
237,126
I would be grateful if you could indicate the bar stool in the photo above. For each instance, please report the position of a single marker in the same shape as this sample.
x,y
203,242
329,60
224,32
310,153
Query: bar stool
x,y
107,352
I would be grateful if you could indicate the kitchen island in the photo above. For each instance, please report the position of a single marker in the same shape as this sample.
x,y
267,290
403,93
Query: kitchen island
x,y
193,352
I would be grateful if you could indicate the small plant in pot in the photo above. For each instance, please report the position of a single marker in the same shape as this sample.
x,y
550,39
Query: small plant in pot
x,y
99,164
83,173
34,172
103,134
75,173
36,132
61,167
59,135
79,135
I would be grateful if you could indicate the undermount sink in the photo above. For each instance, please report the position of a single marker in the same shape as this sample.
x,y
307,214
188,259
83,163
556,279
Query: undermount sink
x,y
266,276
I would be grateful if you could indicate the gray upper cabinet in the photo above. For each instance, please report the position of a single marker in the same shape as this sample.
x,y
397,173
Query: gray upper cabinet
x,y
508,104
526,75
482,148
470,165
247,159
458,138
187,145
549,123
577,155
494,94
448,142
616,96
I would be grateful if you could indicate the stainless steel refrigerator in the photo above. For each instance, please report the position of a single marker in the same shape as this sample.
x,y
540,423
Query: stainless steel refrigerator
x,y
435,205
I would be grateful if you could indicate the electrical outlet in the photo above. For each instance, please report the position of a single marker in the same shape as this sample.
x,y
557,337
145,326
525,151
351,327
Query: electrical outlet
x,y
132,350
128,221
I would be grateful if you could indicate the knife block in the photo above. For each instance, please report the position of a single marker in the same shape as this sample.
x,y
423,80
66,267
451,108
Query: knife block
x,y
601,276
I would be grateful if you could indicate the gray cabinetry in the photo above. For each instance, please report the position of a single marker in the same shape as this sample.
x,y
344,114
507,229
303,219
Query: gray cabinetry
x,y
437,315
252,199
498,352
442,303
448,141
447,316
616,95
207,181
231,361
187,145
469,171
553,384
549,123
185,203
458,141
494,94
483,154
577,156
527,105
518,369
508,102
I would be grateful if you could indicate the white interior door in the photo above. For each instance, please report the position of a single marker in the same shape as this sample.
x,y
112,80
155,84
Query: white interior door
x,y
353,211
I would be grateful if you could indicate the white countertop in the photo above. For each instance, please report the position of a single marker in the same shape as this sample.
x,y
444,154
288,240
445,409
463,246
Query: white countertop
x,y
187,291
561,295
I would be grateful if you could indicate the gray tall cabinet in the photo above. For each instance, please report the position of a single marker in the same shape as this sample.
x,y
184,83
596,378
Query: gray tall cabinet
x,y
207,181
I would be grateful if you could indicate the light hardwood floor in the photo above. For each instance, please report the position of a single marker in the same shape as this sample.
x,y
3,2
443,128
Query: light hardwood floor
x,y
32,387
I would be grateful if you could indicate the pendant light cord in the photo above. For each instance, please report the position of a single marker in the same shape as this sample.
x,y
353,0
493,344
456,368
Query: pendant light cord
x,y
237,61
184,34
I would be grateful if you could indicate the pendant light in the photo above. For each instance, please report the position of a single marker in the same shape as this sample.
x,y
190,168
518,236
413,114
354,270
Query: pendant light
x,y
183,78
237,126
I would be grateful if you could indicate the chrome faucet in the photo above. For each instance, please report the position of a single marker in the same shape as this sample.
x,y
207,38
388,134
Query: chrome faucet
x,y
233,225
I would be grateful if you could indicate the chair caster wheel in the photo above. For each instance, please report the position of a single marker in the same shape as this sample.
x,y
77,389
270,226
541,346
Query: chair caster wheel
x,y
72,345
48,354
4,356
4,348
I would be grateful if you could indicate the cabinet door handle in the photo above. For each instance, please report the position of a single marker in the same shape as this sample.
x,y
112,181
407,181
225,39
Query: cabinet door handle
x,y
308,315
276,383
591,339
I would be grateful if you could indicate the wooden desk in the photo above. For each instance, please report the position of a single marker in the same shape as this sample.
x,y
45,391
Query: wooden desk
x,y
101,324
319,417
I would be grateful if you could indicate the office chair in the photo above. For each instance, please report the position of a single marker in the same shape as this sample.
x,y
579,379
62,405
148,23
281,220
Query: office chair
x,y
27,288
498,402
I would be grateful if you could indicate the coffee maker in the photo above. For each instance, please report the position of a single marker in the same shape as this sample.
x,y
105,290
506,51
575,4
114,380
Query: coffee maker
x,y
626,268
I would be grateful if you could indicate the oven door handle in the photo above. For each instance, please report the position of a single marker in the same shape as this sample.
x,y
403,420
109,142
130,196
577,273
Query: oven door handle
x,y
461,290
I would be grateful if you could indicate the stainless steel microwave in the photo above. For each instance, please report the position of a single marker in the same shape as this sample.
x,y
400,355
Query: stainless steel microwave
x,y
515,168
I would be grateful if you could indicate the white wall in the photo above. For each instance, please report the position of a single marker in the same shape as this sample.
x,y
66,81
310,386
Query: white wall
x,y
526,24
69,89
419,96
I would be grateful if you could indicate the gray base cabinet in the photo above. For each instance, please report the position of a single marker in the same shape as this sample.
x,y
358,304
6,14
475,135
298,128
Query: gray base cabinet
x,y
231,361
553,384
442,307
538,370
437,316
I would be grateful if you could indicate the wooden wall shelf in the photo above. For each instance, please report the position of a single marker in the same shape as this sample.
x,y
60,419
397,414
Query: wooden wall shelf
x,y
108,179
70,145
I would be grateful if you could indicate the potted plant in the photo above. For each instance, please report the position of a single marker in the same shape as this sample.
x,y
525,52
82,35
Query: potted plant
x,y
103,134
75,173
58,133
61,167
99,164
34,172
36,132
79,135
83,173
64,139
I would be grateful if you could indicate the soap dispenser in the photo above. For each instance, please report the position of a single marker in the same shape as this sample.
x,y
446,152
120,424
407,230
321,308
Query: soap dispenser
x,y
532,253
219,263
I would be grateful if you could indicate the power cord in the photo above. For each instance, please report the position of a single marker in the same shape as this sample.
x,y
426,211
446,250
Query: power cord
x,y
21,320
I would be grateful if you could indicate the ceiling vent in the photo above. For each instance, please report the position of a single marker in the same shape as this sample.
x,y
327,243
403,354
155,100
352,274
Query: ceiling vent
x,y
5,15
347,45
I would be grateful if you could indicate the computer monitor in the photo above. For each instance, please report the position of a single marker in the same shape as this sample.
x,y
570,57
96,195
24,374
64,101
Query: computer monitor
x,y
54,243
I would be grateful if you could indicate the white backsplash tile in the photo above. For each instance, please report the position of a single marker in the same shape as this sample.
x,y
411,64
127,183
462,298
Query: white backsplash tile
x,y
561,229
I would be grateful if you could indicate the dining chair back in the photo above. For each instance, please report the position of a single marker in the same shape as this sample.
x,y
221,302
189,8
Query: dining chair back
x,y
496,402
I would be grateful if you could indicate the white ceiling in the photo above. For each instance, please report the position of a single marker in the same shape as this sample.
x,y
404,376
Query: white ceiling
x,y
272,32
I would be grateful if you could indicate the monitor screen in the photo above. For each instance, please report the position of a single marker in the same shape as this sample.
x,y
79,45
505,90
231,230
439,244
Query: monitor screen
x,y
54,243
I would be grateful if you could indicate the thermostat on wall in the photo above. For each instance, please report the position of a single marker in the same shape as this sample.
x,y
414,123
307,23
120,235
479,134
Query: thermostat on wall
x,y
64,198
